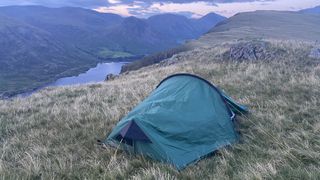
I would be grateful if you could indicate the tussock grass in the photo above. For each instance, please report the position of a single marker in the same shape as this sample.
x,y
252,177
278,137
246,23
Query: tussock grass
x,y
52,134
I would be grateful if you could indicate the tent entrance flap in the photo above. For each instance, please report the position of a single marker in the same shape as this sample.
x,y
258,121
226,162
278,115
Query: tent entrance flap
x,y
132,132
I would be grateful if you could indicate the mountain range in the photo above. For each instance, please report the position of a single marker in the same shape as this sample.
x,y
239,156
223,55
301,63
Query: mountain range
x,y
94,31
41,44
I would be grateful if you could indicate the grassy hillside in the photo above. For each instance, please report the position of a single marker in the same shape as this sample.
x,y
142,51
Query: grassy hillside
x,y
264,24
52,134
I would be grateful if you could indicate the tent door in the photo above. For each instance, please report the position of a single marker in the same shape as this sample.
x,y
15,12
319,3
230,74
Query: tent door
x,y
132,132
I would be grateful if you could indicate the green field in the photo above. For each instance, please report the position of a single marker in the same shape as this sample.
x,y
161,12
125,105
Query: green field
x,y
107,53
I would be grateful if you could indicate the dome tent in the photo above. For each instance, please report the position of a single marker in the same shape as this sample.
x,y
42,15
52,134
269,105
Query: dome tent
x,y
182,120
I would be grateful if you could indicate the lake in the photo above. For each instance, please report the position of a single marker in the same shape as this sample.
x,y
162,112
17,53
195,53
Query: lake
x,y
93,75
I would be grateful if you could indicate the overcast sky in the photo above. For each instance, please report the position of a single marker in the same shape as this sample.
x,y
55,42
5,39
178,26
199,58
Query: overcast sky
x,y
191,8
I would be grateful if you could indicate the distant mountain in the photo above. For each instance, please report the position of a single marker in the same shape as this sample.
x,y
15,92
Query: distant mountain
x,y
315,10
138,36
206,22
40,44
181,28
172,25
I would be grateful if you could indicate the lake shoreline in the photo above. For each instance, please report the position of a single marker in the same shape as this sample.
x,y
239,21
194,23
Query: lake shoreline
x,y
69,73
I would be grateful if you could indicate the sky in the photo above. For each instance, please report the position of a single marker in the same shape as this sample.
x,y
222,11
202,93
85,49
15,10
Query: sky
x,y
190,8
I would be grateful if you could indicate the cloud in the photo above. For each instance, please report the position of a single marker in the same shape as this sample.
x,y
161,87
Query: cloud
x,y
230,9
122,9
191,8
190,1
58,3
198,8
114,1
107,3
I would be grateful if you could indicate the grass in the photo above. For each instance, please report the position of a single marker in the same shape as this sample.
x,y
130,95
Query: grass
x,y
107,53
52,134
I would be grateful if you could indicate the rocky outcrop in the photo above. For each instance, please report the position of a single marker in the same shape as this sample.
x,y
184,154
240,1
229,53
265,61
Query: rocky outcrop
x,y
315,53
252,51
110,77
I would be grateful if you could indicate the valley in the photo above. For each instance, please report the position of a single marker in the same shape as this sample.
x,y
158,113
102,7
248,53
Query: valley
x,y
40,44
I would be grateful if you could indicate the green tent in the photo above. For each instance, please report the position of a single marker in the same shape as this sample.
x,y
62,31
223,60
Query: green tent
x,y
183,119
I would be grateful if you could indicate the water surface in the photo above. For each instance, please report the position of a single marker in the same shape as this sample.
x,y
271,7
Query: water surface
x,y
93,75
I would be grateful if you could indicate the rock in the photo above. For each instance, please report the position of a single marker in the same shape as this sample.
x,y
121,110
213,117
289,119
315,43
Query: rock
x,y
171,61
252,51
315,53
111,77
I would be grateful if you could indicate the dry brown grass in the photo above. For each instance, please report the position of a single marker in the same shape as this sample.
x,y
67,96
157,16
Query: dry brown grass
x,y
52,134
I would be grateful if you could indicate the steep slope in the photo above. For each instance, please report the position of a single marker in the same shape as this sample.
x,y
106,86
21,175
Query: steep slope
x,y
31,57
